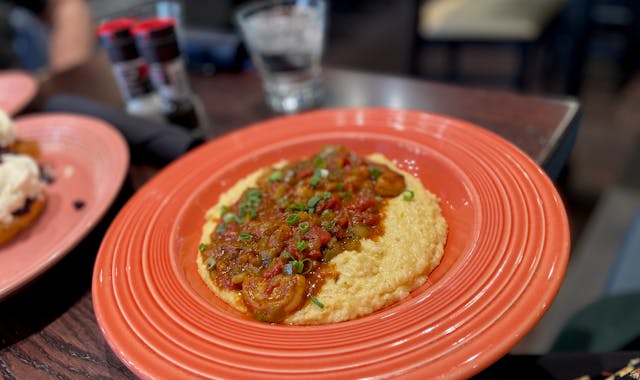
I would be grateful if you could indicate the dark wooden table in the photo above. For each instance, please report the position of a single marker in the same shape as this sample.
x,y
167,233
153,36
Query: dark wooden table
x,y
48,328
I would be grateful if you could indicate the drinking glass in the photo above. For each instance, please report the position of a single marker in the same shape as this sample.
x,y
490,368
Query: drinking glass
x,y
285,39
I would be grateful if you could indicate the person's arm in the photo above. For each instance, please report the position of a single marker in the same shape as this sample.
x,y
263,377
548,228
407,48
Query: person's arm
x,y
72,33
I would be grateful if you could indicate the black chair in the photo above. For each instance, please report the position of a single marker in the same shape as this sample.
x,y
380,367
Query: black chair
x,y
452,24
590,19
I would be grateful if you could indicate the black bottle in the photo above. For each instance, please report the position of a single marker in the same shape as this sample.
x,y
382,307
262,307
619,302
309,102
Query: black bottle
x,y
129,69
157,42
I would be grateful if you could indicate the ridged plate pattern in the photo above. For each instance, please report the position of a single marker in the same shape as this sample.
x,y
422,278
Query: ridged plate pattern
x,y
504,260
89,160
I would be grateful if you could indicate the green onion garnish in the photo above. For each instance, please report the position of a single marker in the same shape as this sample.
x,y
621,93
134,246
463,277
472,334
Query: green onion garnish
x,y
375,172
407,195
310,265
229,217
202,247
329,226
286,255
210,262
248,207
245,236
318,303
243,209
302,245
293,219
304,227
297,265
318,175
297,207
313,201
326,195
314,181
276,176
254,194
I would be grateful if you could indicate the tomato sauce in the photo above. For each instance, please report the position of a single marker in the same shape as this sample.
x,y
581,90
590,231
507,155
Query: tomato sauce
x,y
275,243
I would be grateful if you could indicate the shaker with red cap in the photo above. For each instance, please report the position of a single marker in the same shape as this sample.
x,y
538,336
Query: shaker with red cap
x,y
157,42
129,69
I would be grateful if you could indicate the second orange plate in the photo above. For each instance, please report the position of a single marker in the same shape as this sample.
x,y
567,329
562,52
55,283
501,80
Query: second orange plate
x,y
504,260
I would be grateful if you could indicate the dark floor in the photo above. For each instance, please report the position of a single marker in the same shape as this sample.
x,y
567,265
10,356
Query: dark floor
x,y
376,35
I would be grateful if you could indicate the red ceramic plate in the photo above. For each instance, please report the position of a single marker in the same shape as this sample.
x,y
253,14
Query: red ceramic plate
x,y
504,260
89,159
17,88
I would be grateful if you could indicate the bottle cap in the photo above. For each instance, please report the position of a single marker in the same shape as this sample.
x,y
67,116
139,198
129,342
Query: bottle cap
x,y
156,39
117,39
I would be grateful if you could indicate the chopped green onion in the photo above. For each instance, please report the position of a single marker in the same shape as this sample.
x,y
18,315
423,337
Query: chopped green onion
x,y
284,200
318,162
313,201
284,255
304,227
202,247
310,265
293,219
223,210
314,181
329,226
221,228
229,217
318,175
245,236
297,207
254,194
407,195
249,207
297,265
210,262
302,245
339,185
318,303
325,212
254,198
375,172
276,176
326,196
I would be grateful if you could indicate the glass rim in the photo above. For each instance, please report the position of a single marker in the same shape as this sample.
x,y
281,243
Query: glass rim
x,y
251,7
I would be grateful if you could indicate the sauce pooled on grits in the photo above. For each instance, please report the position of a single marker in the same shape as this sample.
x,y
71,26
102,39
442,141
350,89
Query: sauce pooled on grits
x,y
274,245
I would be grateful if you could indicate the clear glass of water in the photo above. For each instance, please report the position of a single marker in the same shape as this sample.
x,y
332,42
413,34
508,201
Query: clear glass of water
x,y
285,39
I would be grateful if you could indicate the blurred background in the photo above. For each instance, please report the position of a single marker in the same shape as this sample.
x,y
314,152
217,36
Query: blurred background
x,y
586,49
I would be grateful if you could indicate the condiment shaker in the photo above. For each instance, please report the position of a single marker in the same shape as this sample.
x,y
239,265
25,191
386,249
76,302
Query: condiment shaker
x,y
129,69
